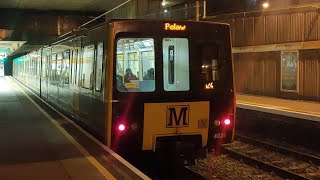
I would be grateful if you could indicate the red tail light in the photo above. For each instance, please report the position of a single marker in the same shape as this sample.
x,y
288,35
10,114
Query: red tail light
x,y
227,122
121,127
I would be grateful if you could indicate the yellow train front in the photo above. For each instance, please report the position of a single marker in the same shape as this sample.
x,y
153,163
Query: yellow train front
x,y
172,86
140,85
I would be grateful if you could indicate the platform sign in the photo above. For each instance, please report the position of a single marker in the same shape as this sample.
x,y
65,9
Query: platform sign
x,y
289,71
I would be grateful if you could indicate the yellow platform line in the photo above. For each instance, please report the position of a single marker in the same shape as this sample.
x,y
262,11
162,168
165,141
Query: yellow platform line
x,y
84,152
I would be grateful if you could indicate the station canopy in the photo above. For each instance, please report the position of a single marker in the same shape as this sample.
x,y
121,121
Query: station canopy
x,y
71,5
8,48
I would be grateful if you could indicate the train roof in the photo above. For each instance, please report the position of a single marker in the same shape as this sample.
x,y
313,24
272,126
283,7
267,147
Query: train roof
x,y
161,20
82,31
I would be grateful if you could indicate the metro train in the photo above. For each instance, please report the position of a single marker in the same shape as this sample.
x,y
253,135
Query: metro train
x,y
140,85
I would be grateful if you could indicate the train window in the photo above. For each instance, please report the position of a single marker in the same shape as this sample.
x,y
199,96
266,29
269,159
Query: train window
x,y
74,66
175,64
71,67
38,63
210,70
211,64
87,66
44,65
30,66
24,65
59,66
65,67
135,65
53,67
34,65
99,66
79,61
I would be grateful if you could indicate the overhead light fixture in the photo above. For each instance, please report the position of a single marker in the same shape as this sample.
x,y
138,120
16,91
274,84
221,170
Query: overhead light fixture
x,y
147,43
165,11
164,3
265,5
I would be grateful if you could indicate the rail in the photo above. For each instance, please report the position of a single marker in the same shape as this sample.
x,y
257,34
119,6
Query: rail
x,y
285,162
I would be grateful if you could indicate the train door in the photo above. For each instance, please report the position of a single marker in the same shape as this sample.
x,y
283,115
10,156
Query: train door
x,y
217,82
1,69
182,120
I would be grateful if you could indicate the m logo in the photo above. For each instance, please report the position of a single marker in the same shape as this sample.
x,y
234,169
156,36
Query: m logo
x,y
178,116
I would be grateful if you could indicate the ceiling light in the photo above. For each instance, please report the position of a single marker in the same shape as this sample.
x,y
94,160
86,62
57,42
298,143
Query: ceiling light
x,y
265,5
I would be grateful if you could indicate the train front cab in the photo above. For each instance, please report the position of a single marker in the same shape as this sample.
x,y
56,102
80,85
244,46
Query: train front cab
x,y
172,86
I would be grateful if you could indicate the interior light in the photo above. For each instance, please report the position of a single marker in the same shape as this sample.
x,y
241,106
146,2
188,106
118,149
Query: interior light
x,y
165,11
121,127
147,43
163,3
227,121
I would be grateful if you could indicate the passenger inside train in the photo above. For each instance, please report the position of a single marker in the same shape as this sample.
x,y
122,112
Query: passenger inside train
x,y
149,75
120,84
135,64
129,76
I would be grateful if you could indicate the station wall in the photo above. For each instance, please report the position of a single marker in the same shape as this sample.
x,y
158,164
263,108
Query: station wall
x,y
261,73
272,27
276,52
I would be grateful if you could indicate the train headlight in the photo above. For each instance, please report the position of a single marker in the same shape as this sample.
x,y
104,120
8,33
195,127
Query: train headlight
x,y
134,126
217,122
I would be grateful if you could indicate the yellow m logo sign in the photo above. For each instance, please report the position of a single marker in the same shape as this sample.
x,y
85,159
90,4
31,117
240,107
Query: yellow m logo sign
x,y
178,116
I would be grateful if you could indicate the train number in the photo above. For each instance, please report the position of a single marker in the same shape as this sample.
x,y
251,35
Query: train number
x,y
219,135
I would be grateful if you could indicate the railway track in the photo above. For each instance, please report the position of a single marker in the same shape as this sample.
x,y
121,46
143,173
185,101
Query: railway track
x,y
285,162
190,174
182,173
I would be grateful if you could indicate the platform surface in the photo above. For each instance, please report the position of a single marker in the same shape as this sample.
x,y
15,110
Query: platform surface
x,y
35,145
297,109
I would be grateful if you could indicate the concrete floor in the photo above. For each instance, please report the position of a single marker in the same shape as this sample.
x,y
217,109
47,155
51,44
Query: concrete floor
x,y
32,147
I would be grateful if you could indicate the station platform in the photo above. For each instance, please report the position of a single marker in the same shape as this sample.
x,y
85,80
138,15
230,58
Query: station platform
x,y
291,108
39,144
